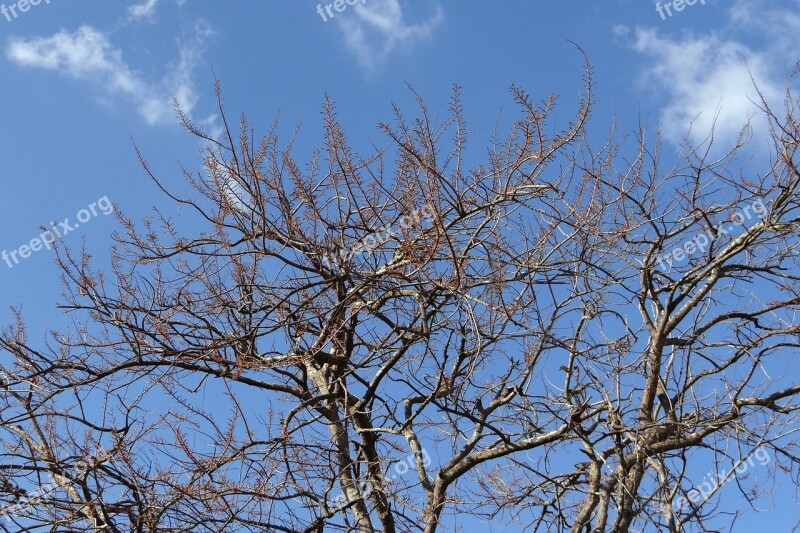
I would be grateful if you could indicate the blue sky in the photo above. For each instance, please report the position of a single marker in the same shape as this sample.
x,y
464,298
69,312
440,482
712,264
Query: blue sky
x,y
82,80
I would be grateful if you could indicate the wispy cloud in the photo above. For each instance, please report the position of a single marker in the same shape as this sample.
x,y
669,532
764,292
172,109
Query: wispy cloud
x,y
703,76
88,55
375,29
146,9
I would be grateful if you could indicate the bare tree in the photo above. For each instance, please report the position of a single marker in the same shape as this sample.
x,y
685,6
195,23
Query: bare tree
x,y
566,337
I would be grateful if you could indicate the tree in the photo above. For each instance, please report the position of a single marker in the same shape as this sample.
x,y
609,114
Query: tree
x,y
559,338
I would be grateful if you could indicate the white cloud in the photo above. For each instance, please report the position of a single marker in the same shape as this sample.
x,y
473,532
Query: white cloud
x,y
708,75
88,55
702,78
146,9
373,30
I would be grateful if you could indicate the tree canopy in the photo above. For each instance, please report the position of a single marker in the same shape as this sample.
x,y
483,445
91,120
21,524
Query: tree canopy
x,y
568,335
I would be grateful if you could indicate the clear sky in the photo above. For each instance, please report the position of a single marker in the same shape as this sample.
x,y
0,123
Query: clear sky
x,y
81,80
